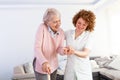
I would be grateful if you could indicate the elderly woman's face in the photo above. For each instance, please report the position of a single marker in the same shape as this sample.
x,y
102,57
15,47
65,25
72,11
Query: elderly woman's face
x,y
55,23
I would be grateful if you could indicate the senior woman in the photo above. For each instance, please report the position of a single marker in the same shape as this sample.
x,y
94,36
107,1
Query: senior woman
x,y
49,41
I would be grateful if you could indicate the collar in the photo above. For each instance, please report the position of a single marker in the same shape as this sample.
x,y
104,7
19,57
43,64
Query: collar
x,y
82,34
51,31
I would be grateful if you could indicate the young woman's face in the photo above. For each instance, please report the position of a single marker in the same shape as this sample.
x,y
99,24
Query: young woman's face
x,y
55,23
81,25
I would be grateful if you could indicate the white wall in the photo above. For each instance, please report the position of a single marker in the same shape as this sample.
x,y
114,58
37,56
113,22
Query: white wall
x,y
17,29
101,35
114,19
18,25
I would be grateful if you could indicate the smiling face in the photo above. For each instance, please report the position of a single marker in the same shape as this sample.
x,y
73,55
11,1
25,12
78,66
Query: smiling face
x,y
81,25
54,23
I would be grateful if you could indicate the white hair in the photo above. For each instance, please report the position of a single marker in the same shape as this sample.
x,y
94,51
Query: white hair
x,y
49,13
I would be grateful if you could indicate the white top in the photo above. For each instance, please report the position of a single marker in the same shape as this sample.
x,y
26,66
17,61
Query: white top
x,y
78,68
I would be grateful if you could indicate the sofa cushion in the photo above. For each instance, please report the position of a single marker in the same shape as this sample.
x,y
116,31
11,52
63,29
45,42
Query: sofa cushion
x,y
115,63
103,61
28,67
29,76
94,64
19,69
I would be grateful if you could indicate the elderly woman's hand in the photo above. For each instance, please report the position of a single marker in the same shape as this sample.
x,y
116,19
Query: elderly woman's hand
x,y
46,67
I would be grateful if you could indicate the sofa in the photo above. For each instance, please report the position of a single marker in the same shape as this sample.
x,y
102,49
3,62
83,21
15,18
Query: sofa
x,y
103,68
107,67
23,72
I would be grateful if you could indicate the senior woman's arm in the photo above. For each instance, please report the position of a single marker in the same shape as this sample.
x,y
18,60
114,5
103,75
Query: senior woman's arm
x,y
38,46
61,49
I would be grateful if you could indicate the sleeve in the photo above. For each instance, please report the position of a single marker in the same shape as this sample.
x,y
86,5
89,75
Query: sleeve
x,y
38,46
61,44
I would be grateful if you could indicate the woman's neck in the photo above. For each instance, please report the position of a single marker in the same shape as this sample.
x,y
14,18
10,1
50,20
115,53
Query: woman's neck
x,y
78,33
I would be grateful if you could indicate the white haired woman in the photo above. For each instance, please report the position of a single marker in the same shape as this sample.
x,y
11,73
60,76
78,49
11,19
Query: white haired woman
x,y
49,42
